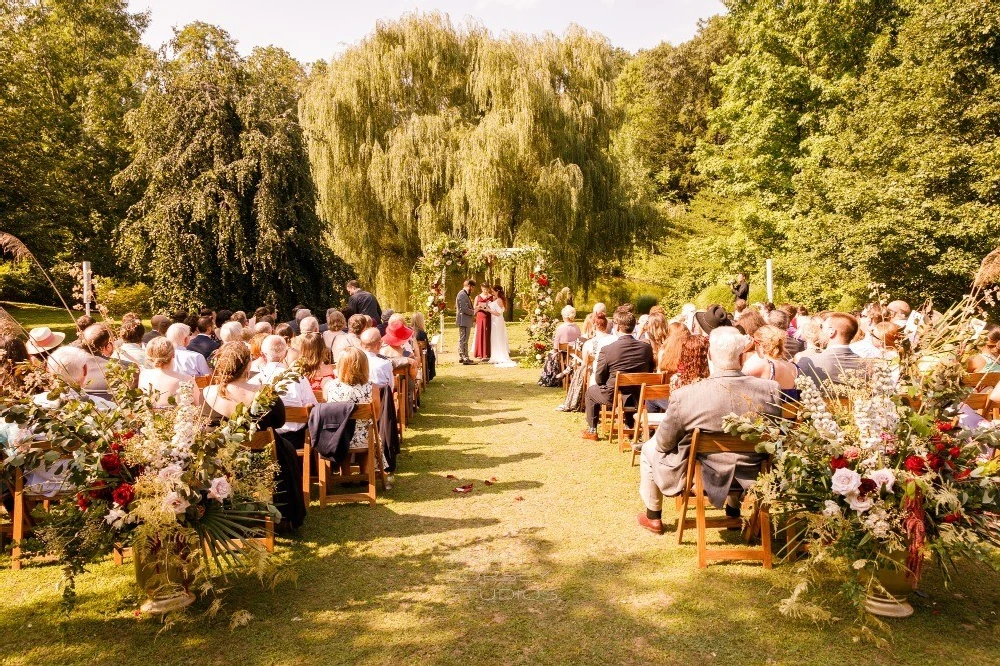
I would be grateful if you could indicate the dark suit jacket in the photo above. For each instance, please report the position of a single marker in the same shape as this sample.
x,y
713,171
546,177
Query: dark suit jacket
x,y
832,364
741,290
626,354
364,303
203,344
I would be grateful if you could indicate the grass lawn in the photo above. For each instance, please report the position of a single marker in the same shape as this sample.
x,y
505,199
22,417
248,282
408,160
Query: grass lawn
x,y
546,566
31,316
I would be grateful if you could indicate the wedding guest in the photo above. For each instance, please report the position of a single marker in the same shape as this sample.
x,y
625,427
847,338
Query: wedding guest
x,y
98,343
626,354
186,362
899,313
421,336
750,321
379,369
263,327
131,333
42,341
779,319
704,405
668,356
231,331
640,328
837,359
657,331
587,330
232,368
313,359
158,326
567,332
223,317
483,320
297,394
885,335
600,308
361,302
988,358
397,334
693,364
710,319
255,353
384,323
739,309
872,315
356,325
158,379
285,331
204,343
307,325
811,333
241,317
601,337
769,361
336,326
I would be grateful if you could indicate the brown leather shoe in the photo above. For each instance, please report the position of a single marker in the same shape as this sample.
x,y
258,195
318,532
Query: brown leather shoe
x,y
654,525
592,436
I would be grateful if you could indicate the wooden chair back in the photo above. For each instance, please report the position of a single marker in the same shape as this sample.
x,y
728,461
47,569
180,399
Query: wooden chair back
x,y
705,443
301,415
643,427
359,466
402,396
625,380
981,381
203,382
21,513
981,403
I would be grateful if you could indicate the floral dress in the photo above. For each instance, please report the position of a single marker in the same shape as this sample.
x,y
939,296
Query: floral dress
x,y
337,391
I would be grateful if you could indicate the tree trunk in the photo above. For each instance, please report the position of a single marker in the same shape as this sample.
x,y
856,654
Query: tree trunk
x,y
510,294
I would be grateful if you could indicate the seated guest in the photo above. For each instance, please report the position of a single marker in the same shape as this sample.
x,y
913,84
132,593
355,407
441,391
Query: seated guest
x,y
263,327
600,308
131,332
640,328
769,361
297,394
779,319
810,332
871,316
587,330
82,324
158,326
420,335
241,317
356,325
379,368
42,341
668,355
256,354
159,379
885,335
988,358
300,312
837,359
232,368
750,321
97,341
353,385
739,309
703,405
313,359
186,362
693,364
336,326
383,324
285,331
567,332
626,354
394,346
710,319
899,313
601,338
307,325
222,317
204,343
231,331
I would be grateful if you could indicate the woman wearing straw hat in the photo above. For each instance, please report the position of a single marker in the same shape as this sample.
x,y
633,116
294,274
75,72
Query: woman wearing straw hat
x,y
42,340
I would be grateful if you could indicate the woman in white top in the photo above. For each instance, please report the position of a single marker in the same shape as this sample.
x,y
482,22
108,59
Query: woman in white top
x,y
160,380
590,348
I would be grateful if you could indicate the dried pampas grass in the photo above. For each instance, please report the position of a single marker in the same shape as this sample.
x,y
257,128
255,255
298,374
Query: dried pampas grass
x,y
989,270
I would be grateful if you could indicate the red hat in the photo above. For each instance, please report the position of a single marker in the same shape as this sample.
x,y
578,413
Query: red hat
x,y
396,333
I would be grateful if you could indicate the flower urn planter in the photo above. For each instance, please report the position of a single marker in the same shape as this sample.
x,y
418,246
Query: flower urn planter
x,y
166,585
887,595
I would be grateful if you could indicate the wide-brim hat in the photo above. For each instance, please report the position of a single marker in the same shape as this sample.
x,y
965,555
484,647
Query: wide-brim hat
x,y
43,339
397,333
712,318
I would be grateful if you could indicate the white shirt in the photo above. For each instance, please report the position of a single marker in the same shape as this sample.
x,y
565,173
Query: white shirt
x,y
864,348
379,370
596,344
298,394
190,363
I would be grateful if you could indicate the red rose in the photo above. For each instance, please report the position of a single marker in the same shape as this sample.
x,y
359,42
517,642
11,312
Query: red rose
x,y
838,463
539,346
82,501
543,281
952,517
111,464
867,486
955,452
99,490
935,462
915,464
123,495
945,426
964,474
939,446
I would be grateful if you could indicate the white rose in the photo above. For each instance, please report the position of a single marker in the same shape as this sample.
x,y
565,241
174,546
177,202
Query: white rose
x,y
831,509
115,517
845,481
538,311
538,357
171,473
884,478
858,503
219,489
859,564
174,502
448,262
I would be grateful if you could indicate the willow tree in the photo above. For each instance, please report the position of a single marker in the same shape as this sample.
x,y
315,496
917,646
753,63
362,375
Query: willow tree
x,y
226,214
424,128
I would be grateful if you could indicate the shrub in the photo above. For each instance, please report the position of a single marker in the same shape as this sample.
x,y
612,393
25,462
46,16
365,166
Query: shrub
x,y
21,281
123,298
643,302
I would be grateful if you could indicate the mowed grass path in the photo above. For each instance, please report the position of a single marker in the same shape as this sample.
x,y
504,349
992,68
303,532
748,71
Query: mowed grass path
x,y
546,565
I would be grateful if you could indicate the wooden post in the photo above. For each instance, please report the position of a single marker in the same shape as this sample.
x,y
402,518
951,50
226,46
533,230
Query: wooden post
x,y
770,281
87,296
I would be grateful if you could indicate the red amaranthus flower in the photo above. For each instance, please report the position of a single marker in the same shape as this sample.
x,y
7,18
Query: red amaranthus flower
x,y
913,521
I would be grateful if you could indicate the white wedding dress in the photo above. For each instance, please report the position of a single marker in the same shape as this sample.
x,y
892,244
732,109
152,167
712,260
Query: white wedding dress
x,y
499,346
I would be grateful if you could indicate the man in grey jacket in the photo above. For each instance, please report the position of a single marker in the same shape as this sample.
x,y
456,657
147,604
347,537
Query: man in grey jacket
x,y
465,318
838,359
703,405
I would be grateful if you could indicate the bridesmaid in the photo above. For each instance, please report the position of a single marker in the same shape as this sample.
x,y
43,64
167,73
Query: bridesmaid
x,y
482,304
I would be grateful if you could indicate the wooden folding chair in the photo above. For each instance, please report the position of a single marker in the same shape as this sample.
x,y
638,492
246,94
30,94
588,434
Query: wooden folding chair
x,y
401,394
703,443
24,501
981,381
981,403
646,423
563,349
301,415
359,465
424,379
203,381
263,441
621,407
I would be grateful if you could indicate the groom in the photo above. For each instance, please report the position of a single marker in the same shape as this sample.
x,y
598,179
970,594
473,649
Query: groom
x,y
465,317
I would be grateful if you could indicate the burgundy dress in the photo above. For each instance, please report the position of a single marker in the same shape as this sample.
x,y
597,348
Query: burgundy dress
x,y
482,349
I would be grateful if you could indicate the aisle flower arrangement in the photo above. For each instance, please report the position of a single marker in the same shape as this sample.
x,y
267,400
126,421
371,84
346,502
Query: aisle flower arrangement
x,y
188,499
880,473
541,324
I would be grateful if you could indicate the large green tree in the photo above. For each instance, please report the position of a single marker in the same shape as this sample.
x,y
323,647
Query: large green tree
x,y
68,73
424,128
227,213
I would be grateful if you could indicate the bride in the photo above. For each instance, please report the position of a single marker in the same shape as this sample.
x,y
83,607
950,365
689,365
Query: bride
x,y
499,347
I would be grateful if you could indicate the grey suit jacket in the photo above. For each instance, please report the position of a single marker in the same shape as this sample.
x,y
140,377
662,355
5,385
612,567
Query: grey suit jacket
x,y
465,316
703,405
831,364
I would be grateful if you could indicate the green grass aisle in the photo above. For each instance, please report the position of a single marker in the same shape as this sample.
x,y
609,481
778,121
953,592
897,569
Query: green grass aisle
x,y
546,565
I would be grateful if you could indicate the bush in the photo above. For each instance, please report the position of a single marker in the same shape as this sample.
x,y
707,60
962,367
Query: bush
x,y
644,302
123,298
21,281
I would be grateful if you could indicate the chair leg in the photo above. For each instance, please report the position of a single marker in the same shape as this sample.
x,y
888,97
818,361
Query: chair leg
x,y
765,536
371,476
269,534
683,501
700,517
307,472
19,517
324,466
